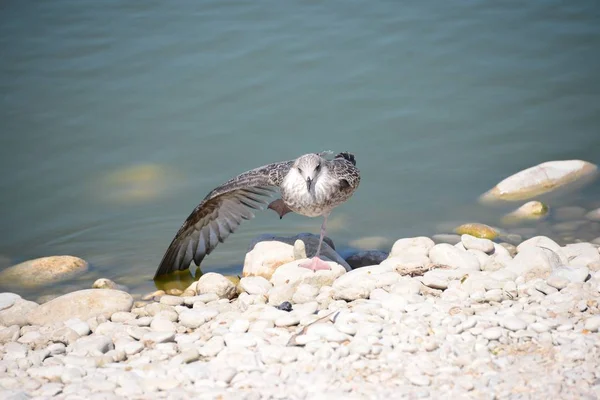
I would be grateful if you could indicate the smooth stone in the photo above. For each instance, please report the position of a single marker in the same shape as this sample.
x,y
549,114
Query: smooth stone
x,y
171,300
513,323
265,257
162,325
43,271
92,345
530,211
534,262
152,338
544,242
592,324
239,326
541,179
293,275
212,282
407,263
281,294
473,243
557,281
448,255
212,347
256,285
299,250
104,283
82,304
7,300
539,327
64,335
477,230
82,328
196,317
358,283
9,334
493,333
440,278
17,313
573,274
366,258
305,293
568,213
593,215
326,331
419,245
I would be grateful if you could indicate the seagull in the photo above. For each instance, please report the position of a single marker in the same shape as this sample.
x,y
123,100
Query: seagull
x,y
310,185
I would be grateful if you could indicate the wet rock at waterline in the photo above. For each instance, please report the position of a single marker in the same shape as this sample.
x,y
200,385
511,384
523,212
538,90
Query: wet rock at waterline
x,y
544,178
43,271
530,211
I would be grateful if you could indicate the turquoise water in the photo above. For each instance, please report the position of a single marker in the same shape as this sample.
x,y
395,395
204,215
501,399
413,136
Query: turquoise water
x,y
438,100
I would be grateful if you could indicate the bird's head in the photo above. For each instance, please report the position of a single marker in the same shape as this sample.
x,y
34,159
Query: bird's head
x,y
309,166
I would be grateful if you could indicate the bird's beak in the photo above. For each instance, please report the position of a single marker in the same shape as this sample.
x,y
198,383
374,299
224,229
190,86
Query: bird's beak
x,y
308,184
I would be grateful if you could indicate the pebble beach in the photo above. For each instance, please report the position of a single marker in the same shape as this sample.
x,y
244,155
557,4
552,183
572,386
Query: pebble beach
x,y
478,313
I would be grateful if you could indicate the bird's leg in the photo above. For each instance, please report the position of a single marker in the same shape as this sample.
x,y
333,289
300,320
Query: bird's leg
x,y
316,264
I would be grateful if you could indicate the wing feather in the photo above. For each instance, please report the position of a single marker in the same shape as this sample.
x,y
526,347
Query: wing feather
x,y
220,214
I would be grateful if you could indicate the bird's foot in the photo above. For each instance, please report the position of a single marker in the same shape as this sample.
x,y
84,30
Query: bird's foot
x,y
315,264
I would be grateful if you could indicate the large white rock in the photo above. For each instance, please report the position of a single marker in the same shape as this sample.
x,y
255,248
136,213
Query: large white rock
x,y
534,262
83,304
572,274
473,243
544,242
266,257
16,314
43,271
581,254
269,252
255,285
8,299
418,246
448,255
407,262
292,274
216,283
540,179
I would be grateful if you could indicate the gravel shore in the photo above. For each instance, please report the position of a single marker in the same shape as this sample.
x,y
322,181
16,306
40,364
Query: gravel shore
x,y
431,321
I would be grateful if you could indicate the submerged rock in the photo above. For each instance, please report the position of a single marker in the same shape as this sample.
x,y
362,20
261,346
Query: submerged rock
x,y
82,304
104,283
43,271
530,211
365,258
540,179
593,215
370,242
137,183
481,231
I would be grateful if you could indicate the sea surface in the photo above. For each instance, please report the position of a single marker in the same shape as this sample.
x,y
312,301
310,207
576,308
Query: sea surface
x,y
118,117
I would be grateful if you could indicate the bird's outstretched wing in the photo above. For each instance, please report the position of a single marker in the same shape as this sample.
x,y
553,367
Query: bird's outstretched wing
x,y
220,214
